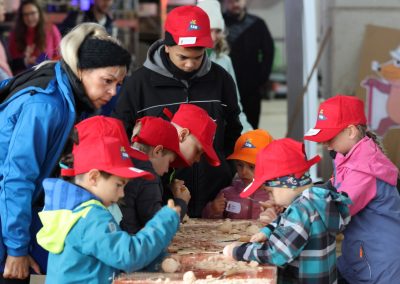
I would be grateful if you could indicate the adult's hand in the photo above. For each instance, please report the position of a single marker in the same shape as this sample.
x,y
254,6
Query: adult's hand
x,y
17,267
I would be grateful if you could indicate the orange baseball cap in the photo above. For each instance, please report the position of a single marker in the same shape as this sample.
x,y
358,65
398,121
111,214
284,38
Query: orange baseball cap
x,y
249,144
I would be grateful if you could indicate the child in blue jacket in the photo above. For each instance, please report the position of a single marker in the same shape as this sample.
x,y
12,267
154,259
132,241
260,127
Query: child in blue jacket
x,y
85,243
302,240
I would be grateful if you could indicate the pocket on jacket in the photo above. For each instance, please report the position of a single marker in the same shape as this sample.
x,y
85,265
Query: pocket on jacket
x,y
361,265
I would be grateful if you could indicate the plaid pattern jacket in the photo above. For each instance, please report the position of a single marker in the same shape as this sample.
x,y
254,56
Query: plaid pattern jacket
x,y
302,240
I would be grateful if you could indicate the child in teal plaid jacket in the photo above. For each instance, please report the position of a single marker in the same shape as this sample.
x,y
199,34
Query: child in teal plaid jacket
x,y
302,240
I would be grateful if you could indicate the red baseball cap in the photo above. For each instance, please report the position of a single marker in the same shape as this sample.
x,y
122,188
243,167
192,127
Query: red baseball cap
x,y
103,145
189,27
157,131
334,115
249,144
280,158
201,126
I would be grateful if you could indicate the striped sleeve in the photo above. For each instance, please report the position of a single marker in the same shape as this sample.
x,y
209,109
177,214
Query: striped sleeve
x,y
285,242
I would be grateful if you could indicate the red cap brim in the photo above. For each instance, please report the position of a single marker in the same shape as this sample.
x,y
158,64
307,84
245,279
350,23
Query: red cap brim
x,y
321,135
130,172
136,154
212,157
251,188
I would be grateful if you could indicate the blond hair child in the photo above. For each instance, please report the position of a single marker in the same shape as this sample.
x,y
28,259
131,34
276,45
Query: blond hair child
x,y
370,249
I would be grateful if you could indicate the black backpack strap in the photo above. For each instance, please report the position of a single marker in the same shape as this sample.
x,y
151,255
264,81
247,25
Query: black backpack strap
x,y
38,78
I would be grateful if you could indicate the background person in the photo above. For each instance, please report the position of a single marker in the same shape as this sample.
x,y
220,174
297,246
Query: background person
x,y
32,39
252,53
220,50
99,12
5,70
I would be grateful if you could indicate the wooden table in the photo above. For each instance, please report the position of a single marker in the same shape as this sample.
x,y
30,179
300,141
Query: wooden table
x,y
198,246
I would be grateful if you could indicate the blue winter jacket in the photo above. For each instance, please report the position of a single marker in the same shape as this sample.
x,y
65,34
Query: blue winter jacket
x,y
371,246
35,123
86,244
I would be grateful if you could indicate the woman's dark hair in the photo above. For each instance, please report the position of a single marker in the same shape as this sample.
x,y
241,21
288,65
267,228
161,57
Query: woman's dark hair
x,y
21,29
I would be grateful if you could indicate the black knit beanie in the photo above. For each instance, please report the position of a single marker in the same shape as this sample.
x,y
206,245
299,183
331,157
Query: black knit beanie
x,y
97,53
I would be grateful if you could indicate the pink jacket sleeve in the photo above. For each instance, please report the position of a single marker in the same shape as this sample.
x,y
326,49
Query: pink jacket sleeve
x,y
52,42
360,187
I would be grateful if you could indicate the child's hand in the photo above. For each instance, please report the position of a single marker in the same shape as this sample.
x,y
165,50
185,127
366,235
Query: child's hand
x,y
171,204
267,204
218,204
272,204
268,216
179,190
228,249
258,238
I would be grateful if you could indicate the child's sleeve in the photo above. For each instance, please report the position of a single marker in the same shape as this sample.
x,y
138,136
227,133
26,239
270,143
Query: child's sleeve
x,y
286,241
268,230
103,239
361,189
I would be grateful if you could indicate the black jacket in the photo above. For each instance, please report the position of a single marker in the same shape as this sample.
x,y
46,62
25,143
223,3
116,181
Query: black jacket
x,y
75,18
251,50
153,87
143,199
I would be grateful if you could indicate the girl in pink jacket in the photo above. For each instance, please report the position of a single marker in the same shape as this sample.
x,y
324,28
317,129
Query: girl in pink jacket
x,y
371,247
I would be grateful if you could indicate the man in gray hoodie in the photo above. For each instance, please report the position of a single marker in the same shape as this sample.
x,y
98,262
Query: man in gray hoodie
x,y
177,71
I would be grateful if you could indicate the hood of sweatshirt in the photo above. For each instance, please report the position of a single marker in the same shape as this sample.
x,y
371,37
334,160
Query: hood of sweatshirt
x,y
331,206
155,63
366,157
65,204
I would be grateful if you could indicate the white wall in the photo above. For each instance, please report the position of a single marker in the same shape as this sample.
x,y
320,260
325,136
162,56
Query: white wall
x,y
349,19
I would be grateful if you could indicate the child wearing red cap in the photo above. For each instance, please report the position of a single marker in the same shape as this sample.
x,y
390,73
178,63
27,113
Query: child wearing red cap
x,y
143,198
228,203
370,249
196,132
85,243
302,240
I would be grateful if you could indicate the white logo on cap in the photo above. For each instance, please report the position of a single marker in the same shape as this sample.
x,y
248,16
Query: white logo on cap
x,y
312,132
187,40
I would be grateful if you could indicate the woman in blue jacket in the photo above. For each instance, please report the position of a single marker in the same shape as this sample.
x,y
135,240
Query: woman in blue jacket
x,y
37,112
